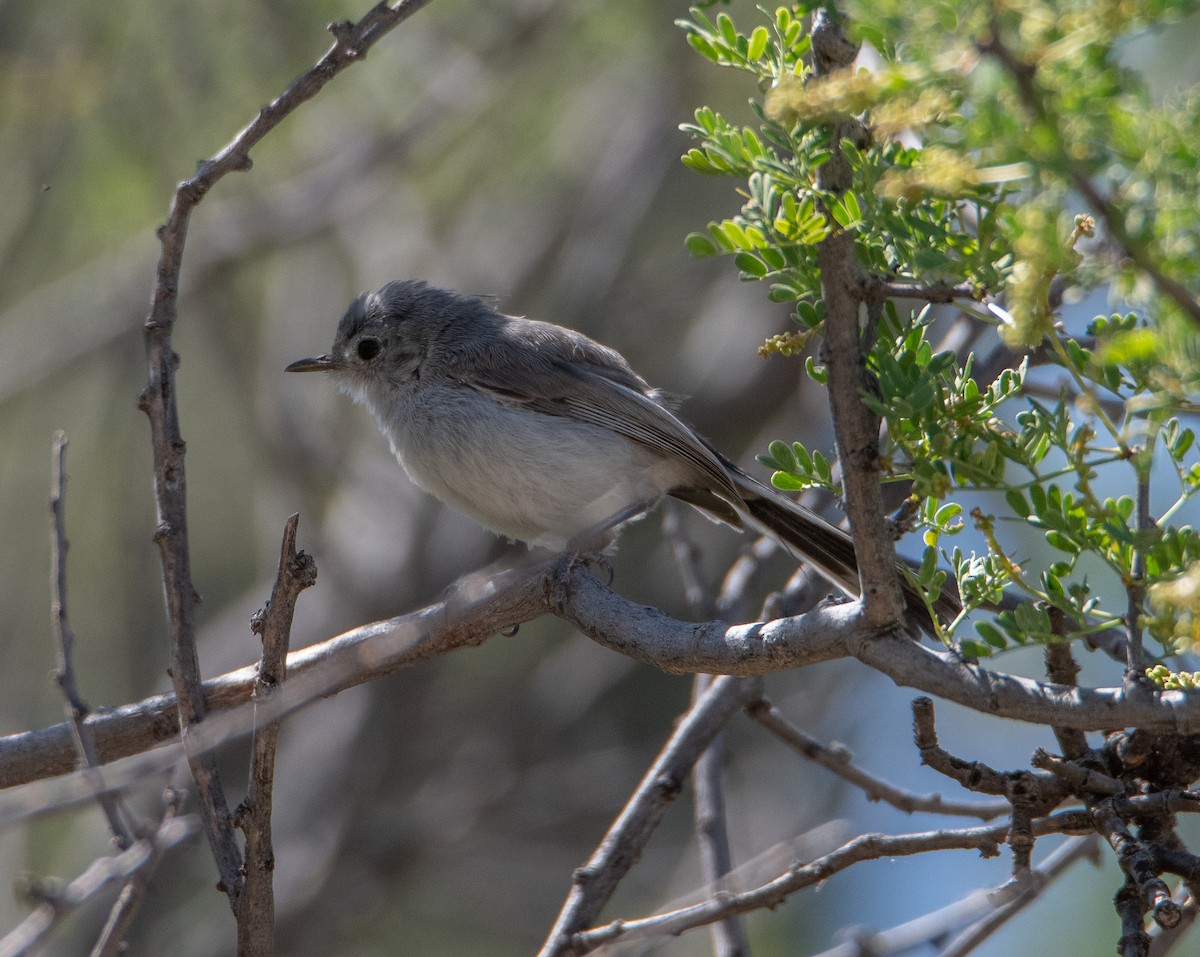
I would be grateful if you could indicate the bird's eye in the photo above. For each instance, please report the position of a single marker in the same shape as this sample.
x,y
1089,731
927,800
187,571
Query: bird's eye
x,y
368,349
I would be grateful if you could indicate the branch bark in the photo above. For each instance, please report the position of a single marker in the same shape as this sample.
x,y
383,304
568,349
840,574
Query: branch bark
x,y
487,603
256,907
159,401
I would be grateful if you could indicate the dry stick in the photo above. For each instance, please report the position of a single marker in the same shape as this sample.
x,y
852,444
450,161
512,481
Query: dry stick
x,y
984,839
594,883
158,400
77,711
977,912
1138,863
143,854
1040,878
708,805
837,759
111,942
256,907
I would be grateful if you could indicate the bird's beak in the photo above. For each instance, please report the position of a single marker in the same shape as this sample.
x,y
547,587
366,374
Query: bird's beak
x,y
324,363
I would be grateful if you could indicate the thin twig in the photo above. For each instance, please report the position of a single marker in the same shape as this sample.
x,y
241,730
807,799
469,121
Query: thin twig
x,y
111,942
594,883
712,833
159,401
1038,880
984,839
56,905
1144,522
979,912
687,559
837,759
77,711
256,906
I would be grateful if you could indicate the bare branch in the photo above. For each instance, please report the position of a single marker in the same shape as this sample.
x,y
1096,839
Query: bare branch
x,y
481,605
594,883
837,759
158,400
979,912
985,839
77,711
256,906
1030,890
57,905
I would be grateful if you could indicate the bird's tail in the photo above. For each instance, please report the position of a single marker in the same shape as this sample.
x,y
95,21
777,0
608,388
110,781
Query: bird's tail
x,y
825,546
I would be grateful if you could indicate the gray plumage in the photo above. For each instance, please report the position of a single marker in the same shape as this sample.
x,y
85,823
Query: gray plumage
x,y
545,436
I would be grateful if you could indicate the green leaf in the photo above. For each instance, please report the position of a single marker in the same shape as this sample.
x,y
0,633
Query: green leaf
x,y
700,245
787,483
1017,502
758,43
947,512
991,634
973,649
815,372
781,455
751,265
703,47
728,31
1062,542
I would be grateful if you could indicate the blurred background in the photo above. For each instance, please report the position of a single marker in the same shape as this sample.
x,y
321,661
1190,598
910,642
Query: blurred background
x,y
528,151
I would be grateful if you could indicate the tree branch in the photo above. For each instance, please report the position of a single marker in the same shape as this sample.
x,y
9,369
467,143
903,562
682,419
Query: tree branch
x,y
256,906
159,401
481,605
77,711
594,883
837,759
985,839
140,856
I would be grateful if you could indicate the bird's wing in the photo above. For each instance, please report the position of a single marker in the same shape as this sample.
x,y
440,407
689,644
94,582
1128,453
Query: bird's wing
x,y
572,376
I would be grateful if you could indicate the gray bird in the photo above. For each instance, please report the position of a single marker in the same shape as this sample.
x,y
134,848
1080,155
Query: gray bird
x,y
544,436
